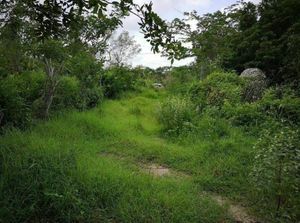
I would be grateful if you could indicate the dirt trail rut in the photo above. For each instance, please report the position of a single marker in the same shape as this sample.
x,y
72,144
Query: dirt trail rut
x,y
238,212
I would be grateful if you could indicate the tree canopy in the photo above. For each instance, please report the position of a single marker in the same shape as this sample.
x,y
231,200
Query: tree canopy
x,y
84,21
247,35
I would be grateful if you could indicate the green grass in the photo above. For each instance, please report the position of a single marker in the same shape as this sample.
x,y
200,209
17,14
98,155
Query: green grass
x,y
85,167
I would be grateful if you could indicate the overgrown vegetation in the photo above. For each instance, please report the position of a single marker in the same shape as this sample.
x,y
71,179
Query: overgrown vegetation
x,y
215,110
80,129
98,176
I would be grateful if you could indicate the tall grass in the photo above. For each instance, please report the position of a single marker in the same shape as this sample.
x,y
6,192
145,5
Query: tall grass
x,y
57,172
87,167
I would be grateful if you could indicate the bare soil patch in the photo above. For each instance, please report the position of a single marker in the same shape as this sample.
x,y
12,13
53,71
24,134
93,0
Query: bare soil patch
x,y
157,170
238,212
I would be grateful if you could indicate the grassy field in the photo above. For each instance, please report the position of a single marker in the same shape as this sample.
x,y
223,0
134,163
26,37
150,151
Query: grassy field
x,y
92,167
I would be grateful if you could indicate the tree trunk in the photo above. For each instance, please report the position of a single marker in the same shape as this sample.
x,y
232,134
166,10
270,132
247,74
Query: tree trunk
x,y
50,87
47,101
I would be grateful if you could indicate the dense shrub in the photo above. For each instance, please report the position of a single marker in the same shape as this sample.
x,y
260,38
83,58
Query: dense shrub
x,y
282,103
244,114
87,70
276,171
119,79
235,99
67,93
30,84
217,89
17,92
176,115
21,95
90,97
13,107
276,104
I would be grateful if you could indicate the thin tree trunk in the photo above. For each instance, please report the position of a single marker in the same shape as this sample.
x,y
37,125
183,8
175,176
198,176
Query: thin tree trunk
x,y
47,101
50,87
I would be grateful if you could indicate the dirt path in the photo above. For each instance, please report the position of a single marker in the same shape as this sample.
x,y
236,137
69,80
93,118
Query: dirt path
x,y
157,170
238,212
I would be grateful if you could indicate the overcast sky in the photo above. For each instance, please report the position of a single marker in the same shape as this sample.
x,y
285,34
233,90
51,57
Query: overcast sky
x,y
168,10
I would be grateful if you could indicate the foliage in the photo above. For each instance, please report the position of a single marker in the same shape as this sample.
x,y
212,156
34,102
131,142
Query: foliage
x,y
226,92
67,37
86,22
16,95
223,95
119,79
217,89
84,67
276,171
282,103
67,93
246,115
211,37
13,107
247,35
176,116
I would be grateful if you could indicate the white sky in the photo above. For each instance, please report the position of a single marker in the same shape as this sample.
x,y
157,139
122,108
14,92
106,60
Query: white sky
x,y
168,10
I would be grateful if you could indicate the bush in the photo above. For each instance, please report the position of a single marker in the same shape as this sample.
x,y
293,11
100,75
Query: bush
x,y
282,103
31,84
119,79
176,116
247,114
87,70
90,97
211,126
67,93
276,172
17,92
13,107
217,89
277,104
70,94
